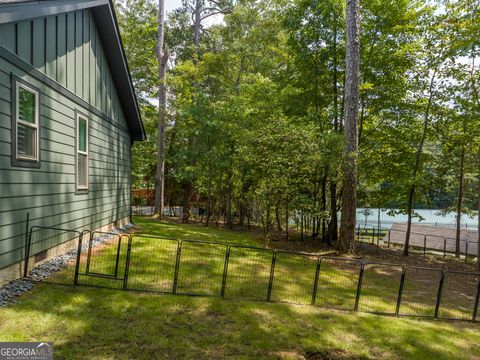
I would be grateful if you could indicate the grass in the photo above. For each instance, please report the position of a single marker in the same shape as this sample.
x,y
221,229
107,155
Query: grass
x,y
201,266
85,322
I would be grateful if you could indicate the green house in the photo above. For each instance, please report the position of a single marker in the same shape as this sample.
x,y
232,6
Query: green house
x,y
68,118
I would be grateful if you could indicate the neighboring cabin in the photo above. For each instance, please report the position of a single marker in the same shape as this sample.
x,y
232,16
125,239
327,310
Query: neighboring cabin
x,y
68,117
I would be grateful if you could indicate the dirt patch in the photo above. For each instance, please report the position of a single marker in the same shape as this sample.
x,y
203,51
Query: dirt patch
x,y
364,251
369,252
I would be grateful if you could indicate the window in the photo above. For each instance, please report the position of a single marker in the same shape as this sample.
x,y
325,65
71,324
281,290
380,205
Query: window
x,y
82,153
26,132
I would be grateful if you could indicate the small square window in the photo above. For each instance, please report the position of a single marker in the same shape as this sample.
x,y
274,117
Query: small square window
x,y
25,125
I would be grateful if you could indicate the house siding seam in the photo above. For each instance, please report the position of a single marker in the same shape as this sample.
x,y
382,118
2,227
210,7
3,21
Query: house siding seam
x,y
44,51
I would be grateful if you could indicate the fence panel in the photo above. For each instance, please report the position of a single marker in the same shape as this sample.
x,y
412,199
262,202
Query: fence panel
x,y
294,277
54,249
380,287
102,260
337,283
200,270
458,296
152,263
420,291
436,244
248,272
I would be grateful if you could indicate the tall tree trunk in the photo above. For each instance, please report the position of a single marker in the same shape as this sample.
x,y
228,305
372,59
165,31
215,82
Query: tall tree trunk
x,y
209,195
187,194
277,217
460,201
323,204
286,217
162,56
335,75
188,187
332,229
197,28
349,198
416,168
230,188
332,233
301,225
476,100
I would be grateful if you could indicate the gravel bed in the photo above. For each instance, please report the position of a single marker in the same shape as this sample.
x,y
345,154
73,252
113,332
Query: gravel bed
x,y
10,291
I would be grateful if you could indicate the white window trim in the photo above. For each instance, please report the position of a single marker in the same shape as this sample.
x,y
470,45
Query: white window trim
x,y
81,188
35,126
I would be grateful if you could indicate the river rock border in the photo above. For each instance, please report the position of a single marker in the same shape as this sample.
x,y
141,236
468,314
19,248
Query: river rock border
x,y
15,288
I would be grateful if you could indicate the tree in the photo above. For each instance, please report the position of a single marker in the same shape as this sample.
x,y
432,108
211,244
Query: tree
x,y
162,56
352,61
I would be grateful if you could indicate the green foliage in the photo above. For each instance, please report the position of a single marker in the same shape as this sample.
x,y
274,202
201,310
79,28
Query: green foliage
x,y
256,110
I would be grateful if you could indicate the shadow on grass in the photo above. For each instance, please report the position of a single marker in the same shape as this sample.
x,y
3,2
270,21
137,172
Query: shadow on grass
x,y
100,324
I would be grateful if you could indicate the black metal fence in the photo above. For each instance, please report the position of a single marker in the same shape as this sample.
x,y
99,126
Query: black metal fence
x,y
188,267
419,242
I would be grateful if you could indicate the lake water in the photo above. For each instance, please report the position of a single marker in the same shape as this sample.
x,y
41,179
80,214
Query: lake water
x,y
369,217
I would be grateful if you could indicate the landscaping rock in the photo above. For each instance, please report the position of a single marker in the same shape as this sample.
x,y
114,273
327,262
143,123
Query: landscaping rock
x,y
15,288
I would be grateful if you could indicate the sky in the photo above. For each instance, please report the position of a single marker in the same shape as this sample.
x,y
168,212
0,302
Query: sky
x,y
172,4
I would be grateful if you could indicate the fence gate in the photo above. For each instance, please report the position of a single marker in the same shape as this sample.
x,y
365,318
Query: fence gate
x,y
102,265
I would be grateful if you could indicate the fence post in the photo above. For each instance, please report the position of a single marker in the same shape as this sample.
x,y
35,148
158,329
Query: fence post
x,y
389,231
439,295
444,248
466,251
26,244
359,287
127,263
477,299
358,233
315,284
225,269
373,235
77,261
400,291
27,253
424,244
272,272
177,266
117,260
89,252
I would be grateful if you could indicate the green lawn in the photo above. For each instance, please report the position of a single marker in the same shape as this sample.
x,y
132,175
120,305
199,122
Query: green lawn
x,y
86,322
201,267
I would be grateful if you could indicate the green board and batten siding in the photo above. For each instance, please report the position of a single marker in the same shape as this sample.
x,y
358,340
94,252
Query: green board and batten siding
x,y
67,49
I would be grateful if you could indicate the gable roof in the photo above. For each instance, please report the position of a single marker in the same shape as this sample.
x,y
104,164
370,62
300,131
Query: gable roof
x,y
104,15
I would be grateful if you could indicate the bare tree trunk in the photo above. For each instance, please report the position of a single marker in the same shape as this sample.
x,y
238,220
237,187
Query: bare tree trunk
x,y
162,56
187,194
209,196
197,26
301,226
416,168
286,217
460,201
277,218
332,227
324,204
349,198
230,190
332,233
